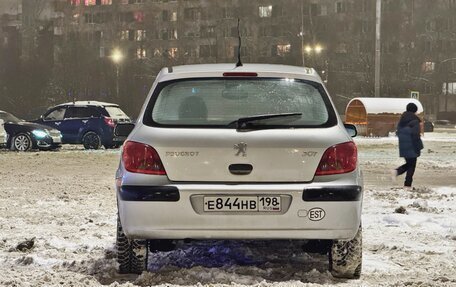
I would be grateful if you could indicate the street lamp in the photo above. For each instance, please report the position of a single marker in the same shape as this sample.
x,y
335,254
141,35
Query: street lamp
x,y
317,49
117,57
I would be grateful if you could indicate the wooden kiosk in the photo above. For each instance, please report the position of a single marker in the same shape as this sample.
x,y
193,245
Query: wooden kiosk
x,y
378,116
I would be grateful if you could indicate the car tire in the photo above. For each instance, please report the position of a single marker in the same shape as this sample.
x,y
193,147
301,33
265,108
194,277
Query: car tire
x,y
21,142
91,140
131,253
345,257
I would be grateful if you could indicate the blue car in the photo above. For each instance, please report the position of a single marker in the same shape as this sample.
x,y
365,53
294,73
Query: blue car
x,y
90,123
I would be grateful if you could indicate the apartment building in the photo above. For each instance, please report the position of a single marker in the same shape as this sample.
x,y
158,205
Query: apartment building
x,y
335,37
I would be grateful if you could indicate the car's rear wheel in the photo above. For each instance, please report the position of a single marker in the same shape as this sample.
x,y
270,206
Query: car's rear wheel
x,y
131,253
21,142
91,140
345,257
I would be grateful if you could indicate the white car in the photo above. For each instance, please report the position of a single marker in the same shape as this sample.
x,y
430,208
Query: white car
x,y
2,133
250,152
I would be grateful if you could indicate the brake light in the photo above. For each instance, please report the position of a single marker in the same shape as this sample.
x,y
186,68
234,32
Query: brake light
x,y
141,158
240,74
340,158
109,122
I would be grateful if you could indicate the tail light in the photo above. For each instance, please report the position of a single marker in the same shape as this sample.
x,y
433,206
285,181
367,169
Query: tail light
x,y
141,158
341,158
109,122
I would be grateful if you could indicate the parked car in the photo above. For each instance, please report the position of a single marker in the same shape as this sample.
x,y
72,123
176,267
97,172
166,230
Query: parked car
x,y
90,123
2,134
24,136
443,124
250,152
428,126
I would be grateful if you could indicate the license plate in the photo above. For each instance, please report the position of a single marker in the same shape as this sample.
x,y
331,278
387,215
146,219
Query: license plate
x,y
56,139
242,203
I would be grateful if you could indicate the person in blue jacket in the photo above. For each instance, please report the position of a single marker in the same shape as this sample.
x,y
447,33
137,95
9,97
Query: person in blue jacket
x,y
410,144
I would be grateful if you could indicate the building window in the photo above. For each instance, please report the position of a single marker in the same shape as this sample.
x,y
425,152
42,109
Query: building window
x,y
173,17
170,34
207,51
138,16
89,19
366,6
277,11
265,11
430,25
126,17
172,53
323,10
124,35
165,17
345,67
404,68
427,46
132,1
428,66
341,7
244,52
365,27
314,9
228,13
157,52
207,31
451,88
283,50
140,53
427,88
341,48
191,14
234,32
140,35
266,31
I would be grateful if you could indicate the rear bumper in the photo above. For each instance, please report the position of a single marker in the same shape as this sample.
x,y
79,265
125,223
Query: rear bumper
x,y
175,212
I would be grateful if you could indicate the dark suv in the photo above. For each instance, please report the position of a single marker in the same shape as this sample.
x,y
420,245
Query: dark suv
x,y
88,122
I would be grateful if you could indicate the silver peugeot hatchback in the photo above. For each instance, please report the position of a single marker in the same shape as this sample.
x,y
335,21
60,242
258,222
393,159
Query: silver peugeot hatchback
x,y
250,152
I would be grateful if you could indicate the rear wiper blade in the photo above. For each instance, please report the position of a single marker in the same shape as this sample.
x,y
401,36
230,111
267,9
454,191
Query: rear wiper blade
x,y
243,123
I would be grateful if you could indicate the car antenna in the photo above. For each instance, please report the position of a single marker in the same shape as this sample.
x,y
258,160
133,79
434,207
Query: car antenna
x,y
239,63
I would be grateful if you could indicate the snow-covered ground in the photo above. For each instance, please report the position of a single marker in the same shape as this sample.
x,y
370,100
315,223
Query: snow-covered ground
x,y
65,201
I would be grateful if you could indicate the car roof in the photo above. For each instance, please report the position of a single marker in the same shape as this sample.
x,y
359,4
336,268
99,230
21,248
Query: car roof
x,y
217,70
87,103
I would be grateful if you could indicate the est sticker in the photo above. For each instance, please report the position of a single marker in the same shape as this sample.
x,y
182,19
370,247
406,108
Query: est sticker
x,y
316,214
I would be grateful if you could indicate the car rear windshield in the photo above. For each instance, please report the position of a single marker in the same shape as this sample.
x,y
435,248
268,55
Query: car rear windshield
x,y
219,102
116,112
